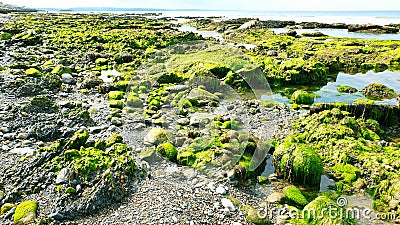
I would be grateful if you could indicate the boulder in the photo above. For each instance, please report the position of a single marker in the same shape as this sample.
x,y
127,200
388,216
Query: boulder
x,y
158,136
68,78
378,91
298,164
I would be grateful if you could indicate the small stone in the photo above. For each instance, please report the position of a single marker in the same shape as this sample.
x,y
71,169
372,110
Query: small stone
x,y
183,121
1,195
116,122
23,151
220,190
394,204
275,197
9,136
174,219
228,204
68,78
22,136
63,176
5,130
211,186
230,107
236,223
56,216
5,148
140,126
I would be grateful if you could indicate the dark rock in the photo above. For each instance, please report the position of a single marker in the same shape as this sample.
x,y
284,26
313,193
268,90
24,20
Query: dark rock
x,y
371,28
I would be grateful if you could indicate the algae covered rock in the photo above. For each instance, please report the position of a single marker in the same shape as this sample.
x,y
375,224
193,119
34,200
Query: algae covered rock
x,y
5,36
32,72
158,136
115,95
346,89
318,212
302,97
378,91
199,97
168,150
186,158
298,164
78,140
256,217
6,207
25,212
293,196
101,61
133,101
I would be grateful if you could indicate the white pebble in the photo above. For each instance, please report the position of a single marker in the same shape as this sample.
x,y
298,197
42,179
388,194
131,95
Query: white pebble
x,y
228,204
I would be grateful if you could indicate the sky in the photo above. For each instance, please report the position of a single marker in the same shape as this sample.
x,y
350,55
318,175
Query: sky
x,y
264,5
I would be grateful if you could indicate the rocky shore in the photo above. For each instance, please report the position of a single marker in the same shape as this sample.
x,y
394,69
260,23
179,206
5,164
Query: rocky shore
x,y
122,119
246,23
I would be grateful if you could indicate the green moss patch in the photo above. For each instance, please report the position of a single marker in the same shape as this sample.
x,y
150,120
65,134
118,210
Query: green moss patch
x,y
302,97
25,212
293,196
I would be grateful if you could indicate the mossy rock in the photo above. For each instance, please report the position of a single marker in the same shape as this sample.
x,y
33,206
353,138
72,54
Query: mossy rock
x,y
318,211
78,140
114,139
59,69
116,104
201,144
6,207
133,101
158,136
168,150
101,61
378,91
70,191
293,196
32,72
255,217
186,158
5,36
71,154
148,154
302,97
116,95
298,164
347,172
232,125
41,102
25,212
346,89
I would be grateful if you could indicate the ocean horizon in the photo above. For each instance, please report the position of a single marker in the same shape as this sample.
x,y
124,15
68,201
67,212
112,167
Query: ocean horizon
x,y
348,17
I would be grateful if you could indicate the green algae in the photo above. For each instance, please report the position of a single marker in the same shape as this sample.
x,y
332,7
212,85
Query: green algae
x,y
298,164
351,152
168,150
24,210
302,97
293,196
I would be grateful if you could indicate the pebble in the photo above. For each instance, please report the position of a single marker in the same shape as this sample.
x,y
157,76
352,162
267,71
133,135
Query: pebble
x,y
68,78
56,216
228,204
116,122
23,151
9,136
220,190
63,176
5,130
